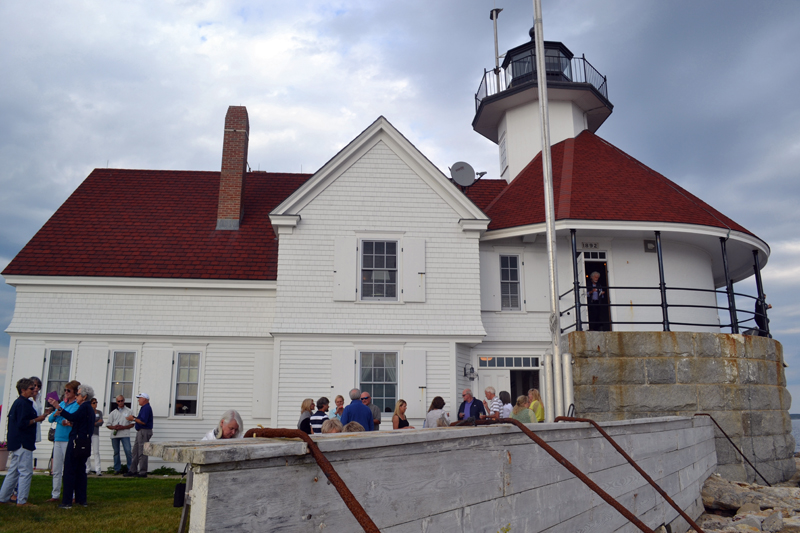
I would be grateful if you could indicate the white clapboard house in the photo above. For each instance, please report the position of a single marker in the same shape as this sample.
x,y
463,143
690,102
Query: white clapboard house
x,y
254,290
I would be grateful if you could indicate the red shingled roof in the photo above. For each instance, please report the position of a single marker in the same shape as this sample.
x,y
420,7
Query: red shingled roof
x,y
594,180
483,191
158,224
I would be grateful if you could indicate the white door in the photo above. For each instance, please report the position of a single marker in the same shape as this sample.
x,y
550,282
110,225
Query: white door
x,y
499,379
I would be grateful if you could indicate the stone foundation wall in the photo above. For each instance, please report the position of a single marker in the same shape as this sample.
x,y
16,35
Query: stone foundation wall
x,y
739,380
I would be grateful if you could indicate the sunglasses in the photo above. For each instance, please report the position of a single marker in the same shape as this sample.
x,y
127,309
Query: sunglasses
x,y
367,398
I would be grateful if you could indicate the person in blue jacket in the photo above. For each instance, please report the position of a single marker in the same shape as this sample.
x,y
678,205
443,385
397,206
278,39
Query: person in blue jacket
x,y
358,412
21,435
470,407
144,432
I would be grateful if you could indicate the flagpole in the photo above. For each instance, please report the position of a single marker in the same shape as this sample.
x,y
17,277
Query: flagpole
x,y
547,172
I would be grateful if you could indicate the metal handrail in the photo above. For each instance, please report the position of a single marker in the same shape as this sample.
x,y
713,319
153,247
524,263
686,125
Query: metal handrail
x,y
734,445
634,465
523,70
749,315
633,519
327,468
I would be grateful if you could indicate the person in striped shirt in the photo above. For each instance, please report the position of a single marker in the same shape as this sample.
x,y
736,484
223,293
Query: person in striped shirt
x,y
492,403
318,418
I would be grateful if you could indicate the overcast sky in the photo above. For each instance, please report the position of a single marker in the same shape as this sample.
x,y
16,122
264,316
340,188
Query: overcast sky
x,y
704,92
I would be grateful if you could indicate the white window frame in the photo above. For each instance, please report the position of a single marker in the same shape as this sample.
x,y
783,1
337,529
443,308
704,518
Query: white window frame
x,y
397,353
518,282
112,398
198,414
397,278
46,378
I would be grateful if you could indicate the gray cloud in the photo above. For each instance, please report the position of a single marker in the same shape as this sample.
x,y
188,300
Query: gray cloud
x,y
703,93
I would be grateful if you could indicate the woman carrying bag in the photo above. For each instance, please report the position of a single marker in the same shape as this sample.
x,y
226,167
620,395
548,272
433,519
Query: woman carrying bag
x,y
79,447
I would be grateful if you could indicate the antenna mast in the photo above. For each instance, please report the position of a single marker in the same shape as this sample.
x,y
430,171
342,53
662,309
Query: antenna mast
x,y
493,15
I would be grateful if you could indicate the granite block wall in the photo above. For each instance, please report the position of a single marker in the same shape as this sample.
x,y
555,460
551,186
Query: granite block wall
x,y
737,379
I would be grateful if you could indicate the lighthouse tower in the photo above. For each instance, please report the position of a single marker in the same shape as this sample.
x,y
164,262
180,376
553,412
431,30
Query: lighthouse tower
x,y
507,102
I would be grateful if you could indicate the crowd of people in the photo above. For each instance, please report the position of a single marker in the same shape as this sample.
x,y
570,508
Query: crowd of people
x,y
77,421
76,438
363,415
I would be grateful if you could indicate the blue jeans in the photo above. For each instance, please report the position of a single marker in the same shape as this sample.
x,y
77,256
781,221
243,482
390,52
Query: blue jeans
x,y
19,470
126,446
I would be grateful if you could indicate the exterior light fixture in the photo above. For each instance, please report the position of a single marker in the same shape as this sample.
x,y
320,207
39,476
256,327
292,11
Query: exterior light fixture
x,y
469,372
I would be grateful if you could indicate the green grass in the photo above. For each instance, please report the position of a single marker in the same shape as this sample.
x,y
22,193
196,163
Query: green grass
x,y
116,504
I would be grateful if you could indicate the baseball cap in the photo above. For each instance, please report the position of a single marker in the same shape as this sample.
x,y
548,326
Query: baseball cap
x,y
144,395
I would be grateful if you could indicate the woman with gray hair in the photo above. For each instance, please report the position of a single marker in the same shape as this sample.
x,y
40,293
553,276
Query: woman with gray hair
x,y
79,447
230,427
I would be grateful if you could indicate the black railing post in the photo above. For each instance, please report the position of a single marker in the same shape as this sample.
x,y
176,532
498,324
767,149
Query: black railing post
x,y
729,286
761,297
575,284
661,285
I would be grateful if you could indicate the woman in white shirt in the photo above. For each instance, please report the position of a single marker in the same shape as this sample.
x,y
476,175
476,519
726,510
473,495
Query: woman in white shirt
x,y
505,397
436,412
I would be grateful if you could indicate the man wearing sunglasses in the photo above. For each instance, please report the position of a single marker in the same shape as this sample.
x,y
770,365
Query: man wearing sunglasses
x,y
22,421
120,432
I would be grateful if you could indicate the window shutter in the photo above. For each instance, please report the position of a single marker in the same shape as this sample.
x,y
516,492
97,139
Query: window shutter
x,y
537,290
262,376
414,382
155,378
92,368
26,361
343,373
413,269
345,259
490,281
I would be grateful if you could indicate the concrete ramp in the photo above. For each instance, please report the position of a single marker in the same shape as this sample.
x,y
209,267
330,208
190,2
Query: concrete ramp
x,y
477,479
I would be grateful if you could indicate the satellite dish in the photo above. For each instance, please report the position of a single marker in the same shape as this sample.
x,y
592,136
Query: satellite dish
x,y
462,173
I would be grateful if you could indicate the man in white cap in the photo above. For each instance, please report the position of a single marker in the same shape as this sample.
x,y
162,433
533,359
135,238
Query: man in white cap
x,y
144,432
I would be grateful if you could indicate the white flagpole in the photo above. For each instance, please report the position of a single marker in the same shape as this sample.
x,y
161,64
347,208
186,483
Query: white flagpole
x,y
547,171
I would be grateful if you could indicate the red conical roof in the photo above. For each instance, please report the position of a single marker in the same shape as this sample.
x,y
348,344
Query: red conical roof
x,y
594,180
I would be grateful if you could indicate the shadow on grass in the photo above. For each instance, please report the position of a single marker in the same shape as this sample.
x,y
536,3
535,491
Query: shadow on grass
x,y
116,504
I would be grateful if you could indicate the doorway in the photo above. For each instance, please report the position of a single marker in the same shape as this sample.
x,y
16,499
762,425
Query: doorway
x,y
522,381
599,315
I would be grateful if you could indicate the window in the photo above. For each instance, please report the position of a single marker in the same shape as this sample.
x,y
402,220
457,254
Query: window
x,y
122,373
508,362
379,378
509,283
379,270
58,373
186,383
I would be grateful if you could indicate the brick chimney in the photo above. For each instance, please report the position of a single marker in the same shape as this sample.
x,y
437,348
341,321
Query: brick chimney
x,y
230,210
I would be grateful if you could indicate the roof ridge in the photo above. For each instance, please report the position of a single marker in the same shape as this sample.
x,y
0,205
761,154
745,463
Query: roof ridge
x,y
565,187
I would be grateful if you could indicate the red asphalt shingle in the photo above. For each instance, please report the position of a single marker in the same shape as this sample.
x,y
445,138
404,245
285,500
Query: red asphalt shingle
x,y
597,181
158,224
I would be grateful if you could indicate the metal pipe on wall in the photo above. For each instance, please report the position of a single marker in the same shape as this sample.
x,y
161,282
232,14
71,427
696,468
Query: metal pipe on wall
x,y
729,287
569,389
576,286
549,204
662,285
549,397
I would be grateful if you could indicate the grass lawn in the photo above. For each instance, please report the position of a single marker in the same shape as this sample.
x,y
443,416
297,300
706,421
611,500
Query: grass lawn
x,y
116,504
